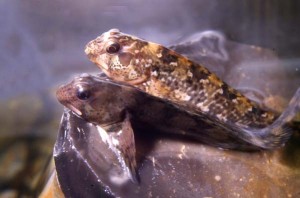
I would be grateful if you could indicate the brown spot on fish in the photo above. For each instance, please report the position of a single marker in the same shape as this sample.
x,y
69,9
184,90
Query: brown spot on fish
x,y
198,73
227,93
167,56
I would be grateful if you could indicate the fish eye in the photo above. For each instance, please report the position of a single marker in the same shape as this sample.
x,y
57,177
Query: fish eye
x,y
113,48
83,93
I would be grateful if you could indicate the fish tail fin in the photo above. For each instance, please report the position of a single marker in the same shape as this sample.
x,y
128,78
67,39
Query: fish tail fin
x,y
279,131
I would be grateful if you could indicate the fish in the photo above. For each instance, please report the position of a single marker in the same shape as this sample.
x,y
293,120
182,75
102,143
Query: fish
x,y
166,74
114,107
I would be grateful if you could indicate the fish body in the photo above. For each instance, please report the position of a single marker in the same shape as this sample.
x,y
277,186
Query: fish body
x,y
166,74
113,107
103,102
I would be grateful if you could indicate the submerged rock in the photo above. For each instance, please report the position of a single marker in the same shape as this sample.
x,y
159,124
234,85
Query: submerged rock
x,y
169,166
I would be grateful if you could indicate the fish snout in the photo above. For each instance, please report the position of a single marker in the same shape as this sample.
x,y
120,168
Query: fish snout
x,y
61,95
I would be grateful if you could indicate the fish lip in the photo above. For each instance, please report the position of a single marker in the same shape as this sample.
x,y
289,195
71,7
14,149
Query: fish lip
x,y
101,64
74,109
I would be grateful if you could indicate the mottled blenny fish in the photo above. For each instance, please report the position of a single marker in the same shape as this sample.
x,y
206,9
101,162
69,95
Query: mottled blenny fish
x,y
112,106
166,74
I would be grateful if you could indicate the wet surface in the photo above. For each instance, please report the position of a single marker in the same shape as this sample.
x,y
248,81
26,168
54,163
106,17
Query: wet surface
x,y
170,167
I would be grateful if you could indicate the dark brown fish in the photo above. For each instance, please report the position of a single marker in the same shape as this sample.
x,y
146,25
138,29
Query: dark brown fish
x,y
112,107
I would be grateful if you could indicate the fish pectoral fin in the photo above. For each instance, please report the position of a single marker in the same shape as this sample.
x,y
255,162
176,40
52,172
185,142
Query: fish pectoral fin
x,y
123,141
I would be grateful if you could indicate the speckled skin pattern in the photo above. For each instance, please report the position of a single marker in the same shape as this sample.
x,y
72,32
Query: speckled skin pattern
x,y
102,101
166,74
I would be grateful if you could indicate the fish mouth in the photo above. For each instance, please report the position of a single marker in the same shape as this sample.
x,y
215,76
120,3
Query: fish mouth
x,y
100,63
74,109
